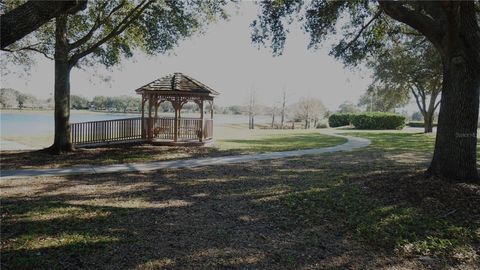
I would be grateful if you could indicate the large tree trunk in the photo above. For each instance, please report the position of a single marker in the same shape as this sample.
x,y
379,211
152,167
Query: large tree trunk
x,y
454,30
456,144
26,18
62,142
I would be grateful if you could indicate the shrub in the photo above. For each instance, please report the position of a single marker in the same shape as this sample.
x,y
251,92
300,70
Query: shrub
x,y
322,125
378,120
339,119
418,124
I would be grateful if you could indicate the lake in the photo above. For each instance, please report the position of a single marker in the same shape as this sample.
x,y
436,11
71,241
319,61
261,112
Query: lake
x,y
40,123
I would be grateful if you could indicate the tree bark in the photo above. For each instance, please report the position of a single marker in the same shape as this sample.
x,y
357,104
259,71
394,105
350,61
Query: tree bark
x,y
26,18
428,122
456,143
62,141
455,32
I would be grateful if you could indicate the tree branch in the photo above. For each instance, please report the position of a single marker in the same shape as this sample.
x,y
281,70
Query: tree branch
x,y
29,48
129,18
422,23
26,18
436,105
357,36
422,109
96,25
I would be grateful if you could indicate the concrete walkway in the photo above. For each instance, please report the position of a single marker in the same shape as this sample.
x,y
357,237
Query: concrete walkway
x,y
352,143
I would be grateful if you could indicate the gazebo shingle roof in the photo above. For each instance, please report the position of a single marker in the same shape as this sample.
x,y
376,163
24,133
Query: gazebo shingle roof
x,y
178,82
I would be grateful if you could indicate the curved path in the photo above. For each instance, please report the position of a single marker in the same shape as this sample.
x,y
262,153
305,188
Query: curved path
x,y
352,143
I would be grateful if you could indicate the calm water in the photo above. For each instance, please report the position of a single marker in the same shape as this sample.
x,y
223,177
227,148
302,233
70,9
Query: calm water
x,y
40,123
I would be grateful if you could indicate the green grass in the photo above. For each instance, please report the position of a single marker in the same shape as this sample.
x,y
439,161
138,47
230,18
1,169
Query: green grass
x,y
279,142
398,141
404,227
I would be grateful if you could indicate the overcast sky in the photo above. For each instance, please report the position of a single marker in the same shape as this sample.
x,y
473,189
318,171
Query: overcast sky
x,y
223,58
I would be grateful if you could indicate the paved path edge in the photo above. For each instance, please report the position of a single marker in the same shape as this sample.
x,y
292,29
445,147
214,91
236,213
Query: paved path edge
x,y
351,144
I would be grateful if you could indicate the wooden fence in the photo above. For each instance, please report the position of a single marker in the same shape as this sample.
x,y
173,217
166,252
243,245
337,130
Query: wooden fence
x,y
106,131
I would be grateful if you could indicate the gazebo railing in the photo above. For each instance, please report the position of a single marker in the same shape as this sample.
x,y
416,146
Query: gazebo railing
x,y
188,128
164,128
130,129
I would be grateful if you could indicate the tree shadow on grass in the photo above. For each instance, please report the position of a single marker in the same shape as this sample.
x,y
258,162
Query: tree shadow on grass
x,y
288,213
103,155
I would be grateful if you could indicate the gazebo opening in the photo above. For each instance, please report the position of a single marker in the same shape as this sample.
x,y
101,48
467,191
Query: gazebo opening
x,y
178,89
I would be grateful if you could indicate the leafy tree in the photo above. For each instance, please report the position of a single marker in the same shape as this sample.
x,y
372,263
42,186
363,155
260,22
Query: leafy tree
x,y
21,99
412,67
235,109
452,27
118,103
8,97
384,98
79,102
99,102
107,31
347,107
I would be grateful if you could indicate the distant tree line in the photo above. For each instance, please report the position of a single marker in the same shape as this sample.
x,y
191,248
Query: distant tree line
x,y
14,99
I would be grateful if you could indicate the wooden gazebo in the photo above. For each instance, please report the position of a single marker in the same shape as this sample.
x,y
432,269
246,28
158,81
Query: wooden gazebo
x,y
177,89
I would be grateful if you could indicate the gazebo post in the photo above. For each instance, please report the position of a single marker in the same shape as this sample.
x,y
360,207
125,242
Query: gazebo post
x,y
143,116
156,106
150,126
175,124
200,137
211,109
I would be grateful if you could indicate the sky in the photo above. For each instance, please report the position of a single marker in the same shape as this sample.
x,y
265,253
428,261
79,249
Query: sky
x,y
223,58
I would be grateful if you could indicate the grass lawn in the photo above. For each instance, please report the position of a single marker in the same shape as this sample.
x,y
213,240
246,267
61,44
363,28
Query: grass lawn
x,y
229,140
369,208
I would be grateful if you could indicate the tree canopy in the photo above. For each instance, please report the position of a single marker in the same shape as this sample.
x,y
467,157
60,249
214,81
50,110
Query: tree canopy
x,y
109,30
106,32
364,27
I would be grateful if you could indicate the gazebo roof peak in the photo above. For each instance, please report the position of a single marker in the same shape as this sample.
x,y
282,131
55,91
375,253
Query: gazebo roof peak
x,y
179,83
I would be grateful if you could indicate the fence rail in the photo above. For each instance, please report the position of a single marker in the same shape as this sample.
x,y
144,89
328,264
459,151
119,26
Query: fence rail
x,y
108,131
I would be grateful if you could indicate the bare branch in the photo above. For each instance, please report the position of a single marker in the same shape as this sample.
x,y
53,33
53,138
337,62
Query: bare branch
x,y
29,48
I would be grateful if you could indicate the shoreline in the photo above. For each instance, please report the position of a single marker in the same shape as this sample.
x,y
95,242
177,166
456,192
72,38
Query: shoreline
x,y
8,145
13,110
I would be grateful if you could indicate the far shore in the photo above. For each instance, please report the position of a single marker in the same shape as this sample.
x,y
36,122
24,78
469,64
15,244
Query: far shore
x,y
30,110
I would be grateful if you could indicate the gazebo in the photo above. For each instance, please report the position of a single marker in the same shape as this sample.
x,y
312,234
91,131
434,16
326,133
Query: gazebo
x,y
177,89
